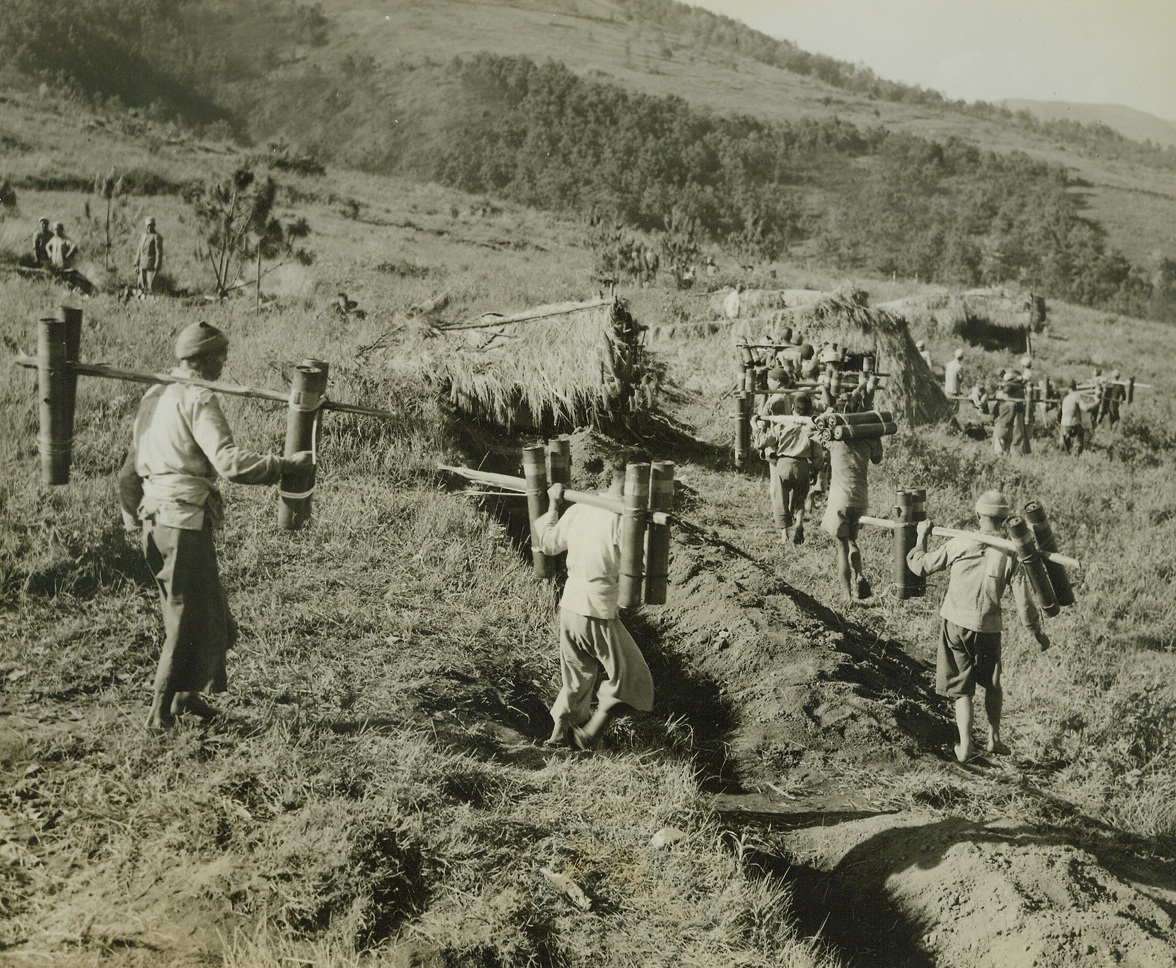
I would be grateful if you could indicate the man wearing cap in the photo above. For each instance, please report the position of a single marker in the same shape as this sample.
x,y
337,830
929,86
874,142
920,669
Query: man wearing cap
x,y
925,354
849,462
41,243
594,647
970,631
149,260
167,488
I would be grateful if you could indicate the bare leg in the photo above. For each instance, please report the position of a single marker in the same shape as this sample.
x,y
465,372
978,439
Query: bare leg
x,y
854,554
160,715
843,567
993,704
963,717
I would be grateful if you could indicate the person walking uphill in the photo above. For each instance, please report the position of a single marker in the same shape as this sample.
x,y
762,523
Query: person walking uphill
x,y
167,489
592,640
970,630
849,463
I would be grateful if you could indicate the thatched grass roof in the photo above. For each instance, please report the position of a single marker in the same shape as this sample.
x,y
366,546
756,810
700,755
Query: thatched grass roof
x,y
951,312
567,363
844,317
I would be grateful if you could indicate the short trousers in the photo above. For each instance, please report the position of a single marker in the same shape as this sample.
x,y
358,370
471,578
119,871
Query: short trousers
x,y
966,659
842,522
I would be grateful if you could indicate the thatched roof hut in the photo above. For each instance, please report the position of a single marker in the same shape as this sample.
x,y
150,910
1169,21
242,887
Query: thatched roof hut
x,y
845,317
954,313
564,364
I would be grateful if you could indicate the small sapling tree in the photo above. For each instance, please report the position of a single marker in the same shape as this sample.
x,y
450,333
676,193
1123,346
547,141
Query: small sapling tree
x,y
239,229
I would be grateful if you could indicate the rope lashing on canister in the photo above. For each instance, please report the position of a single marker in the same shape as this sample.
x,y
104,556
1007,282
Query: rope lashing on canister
x,y
308,390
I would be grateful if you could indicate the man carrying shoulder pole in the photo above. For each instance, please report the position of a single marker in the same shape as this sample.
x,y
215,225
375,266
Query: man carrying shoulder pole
x,y
970,631
592,640
167,487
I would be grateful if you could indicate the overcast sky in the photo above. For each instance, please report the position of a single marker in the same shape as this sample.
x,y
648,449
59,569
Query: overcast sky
x,y
1095,51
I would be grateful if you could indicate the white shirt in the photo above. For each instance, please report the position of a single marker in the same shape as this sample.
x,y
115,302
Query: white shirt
x,y
592,538
951,377
182,443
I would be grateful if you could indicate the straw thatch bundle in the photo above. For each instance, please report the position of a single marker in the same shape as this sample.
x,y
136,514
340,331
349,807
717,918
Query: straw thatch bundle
x,y
954,312
846,318
756,302
569,363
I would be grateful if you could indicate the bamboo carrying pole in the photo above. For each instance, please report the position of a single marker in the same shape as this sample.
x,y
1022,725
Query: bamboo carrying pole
x,y
519,485
910,507
633,519
995,540
1043,533
54,439
232,389
535,477
1030,558
657,548
302,419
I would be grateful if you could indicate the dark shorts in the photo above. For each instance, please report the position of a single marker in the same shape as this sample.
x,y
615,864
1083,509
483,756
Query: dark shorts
x,y
966,660
842,523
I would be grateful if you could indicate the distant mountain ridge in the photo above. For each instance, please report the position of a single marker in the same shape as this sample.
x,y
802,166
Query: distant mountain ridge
x,y
1129,122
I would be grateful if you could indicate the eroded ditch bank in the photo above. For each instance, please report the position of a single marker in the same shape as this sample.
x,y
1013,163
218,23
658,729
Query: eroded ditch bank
x,y
788,703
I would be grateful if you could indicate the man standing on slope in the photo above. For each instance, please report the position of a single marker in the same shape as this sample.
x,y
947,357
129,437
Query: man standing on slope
x,y
167,487
149,260
592,639
970,631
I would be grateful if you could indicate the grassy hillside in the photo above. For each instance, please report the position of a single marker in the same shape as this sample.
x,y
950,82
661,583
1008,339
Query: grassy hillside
x,y
1137,125
379,89
379,794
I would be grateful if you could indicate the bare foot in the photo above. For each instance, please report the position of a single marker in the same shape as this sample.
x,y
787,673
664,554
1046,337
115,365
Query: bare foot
x,y
996,746
195,704
963,752
582,740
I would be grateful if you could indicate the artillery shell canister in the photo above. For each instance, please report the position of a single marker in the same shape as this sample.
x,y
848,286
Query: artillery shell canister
x,y
633,521
559,461
53,438
535,476
308,387
910,507
1043,534
657,542
1031,560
